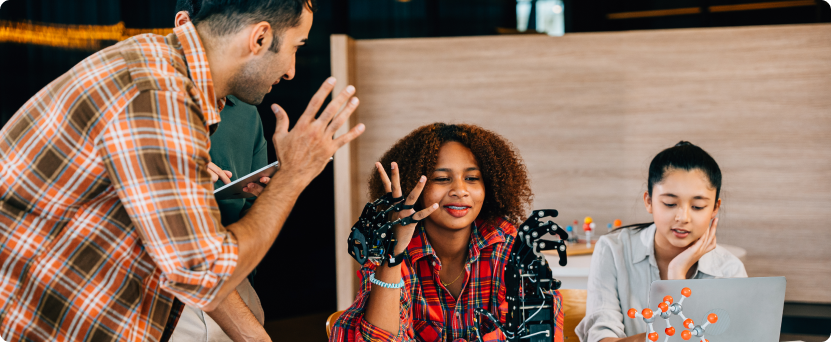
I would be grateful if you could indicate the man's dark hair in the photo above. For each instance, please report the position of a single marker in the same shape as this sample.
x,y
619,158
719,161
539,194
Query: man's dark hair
x,y
190,6
224,17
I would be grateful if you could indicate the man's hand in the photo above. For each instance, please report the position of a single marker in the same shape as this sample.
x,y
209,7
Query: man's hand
x,y
255,188
305,151
237,321
217,173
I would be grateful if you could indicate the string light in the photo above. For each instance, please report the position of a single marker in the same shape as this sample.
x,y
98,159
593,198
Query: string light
x,y
81,37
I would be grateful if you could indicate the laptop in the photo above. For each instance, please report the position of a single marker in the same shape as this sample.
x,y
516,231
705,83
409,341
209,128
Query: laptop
x,y
747,309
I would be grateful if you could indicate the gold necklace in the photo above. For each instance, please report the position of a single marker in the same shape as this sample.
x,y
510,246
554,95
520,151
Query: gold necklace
x,y
454,280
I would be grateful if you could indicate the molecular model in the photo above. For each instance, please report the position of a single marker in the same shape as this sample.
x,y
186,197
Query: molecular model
x,y
668,308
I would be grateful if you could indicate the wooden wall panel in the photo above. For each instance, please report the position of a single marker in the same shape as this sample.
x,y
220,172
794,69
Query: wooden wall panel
x,y
589,111
347,198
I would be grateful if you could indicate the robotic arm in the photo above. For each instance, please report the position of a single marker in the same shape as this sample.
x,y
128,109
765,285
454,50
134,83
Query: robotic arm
x,y
529,282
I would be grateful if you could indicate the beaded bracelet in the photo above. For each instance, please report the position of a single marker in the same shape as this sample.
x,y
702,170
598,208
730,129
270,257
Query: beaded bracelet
x,y
385,285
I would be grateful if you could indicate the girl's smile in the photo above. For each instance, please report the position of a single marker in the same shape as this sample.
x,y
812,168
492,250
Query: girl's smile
x,y
457,210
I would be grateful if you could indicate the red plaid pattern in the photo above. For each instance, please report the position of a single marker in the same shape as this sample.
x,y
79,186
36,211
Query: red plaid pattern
x,y
428,311
106,206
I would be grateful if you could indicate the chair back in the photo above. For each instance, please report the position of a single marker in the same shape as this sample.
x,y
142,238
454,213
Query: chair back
x,y
574,309
330,322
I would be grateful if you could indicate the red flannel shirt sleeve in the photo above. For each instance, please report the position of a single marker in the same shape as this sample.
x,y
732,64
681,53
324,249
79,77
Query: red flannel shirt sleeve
x,y
156,154
351,326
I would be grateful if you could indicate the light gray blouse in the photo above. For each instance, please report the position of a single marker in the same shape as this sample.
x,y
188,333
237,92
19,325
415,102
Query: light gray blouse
x,y
623,266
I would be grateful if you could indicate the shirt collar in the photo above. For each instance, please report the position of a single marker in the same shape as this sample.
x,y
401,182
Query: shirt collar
x,y
483,235
644,246
199,72
645,249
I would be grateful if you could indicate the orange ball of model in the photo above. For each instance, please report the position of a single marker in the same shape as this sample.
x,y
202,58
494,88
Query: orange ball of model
x,y
712,318
632,313
688,323
686,334
686,292
663,306
653,336
647,313
668,299
670,331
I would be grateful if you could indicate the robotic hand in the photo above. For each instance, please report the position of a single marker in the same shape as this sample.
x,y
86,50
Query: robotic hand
x,y
372,237
529,282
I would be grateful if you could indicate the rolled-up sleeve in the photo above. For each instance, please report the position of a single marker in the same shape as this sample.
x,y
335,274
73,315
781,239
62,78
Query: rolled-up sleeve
x,y
603,316
156,154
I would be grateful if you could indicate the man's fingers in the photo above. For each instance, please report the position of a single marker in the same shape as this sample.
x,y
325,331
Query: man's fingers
x,y
423,213
317,100
349,136
253,188
337,102
396,181
265,180
282,119
214,176
384,178
343,116
219,173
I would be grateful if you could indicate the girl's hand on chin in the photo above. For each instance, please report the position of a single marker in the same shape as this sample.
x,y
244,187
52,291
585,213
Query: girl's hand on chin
x,y
680,265
404,233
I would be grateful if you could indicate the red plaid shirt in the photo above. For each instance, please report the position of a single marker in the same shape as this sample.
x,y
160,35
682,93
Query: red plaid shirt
x,y
428,311
106,206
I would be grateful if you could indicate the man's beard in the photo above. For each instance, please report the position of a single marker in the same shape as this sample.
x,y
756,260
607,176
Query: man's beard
x,y
248,85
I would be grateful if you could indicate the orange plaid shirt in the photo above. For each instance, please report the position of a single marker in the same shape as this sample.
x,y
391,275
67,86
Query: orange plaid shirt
x,y
107,213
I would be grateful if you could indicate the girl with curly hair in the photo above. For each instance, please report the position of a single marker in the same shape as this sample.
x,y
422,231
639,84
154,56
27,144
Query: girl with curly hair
x,y
470,189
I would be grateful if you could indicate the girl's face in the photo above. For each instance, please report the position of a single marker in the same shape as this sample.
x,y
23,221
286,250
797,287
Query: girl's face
x,y
457,186
683,205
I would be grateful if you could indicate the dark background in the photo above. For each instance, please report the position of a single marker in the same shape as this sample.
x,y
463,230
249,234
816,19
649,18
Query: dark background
x,y
297,277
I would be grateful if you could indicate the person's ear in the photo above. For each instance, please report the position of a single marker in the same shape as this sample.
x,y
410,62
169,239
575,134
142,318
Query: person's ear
x,y
716,209
182,18
260,38
647,201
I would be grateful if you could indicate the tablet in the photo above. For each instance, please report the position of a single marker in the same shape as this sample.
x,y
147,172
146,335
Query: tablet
x,y
234,189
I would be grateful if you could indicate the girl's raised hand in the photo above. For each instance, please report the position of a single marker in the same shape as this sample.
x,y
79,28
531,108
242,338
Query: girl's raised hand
x,y
404,233
681,264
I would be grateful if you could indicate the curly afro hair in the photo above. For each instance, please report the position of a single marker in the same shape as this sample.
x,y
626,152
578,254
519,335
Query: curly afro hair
x,y
507,188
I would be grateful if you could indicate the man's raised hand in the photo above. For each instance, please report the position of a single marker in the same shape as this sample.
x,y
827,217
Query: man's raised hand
x,y
305,150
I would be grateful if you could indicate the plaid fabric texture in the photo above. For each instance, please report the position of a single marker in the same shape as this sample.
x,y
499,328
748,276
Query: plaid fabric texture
x,y
428,311
107,211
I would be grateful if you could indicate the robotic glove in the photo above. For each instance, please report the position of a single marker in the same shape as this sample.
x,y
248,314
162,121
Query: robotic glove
x,y
372,237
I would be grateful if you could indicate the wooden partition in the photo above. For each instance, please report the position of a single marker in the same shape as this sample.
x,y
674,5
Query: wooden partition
x,y
589,111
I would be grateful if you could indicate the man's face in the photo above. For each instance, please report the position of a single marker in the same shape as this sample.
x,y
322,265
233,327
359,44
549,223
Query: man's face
x,y
258,75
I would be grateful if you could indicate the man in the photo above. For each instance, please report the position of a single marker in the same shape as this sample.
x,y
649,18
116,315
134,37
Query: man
x,y
239,147
107,214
